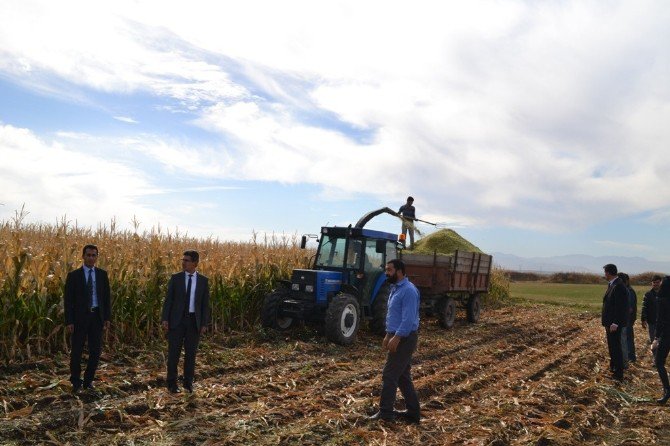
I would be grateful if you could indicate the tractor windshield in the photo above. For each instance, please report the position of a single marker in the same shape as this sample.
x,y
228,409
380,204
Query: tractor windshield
x,y
331,251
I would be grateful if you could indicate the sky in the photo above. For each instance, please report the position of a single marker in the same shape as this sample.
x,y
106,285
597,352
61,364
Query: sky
x,y
531,128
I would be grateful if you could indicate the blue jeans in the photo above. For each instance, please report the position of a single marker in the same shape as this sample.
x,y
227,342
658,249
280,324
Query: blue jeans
x,y
630,337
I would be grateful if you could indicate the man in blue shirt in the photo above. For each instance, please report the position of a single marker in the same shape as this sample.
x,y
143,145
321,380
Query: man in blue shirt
x,y
402,324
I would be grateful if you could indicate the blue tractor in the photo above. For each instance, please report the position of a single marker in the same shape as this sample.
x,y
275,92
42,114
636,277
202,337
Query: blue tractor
x,y
345,285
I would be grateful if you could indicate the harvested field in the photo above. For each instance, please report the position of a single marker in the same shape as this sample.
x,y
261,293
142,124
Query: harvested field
x,y
523,375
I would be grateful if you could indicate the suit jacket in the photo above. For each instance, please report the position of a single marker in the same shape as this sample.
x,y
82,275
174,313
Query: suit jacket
x,y
76,296
174,306
663,310
615,304
648,313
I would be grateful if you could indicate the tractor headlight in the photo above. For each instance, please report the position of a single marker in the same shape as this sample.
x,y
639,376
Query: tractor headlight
x,y
309,288
295,286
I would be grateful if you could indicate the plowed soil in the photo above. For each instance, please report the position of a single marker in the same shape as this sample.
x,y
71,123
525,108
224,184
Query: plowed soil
x,y
522,375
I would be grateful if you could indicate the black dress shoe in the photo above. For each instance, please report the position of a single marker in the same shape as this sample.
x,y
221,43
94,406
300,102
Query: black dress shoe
x,y
174,389
664,399
381,417
189,388
91,390
408,417
76,387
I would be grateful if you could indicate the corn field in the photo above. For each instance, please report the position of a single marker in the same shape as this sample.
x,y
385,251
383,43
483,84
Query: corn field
x,y
36,259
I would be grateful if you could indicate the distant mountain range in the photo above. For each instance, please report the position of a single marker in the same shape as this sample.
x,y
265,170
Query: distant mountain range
x,y
578,263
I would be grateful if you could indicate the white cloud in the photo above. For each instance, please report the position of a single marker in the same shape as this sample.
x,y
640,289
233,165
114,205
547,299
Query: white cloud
x,y
626,246
547,115
126,119
53,180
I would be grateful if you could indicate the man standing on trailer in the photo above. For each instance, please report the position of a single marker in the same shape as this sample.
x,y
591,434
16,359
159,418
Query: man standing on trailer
x,y
87,313
408,214
402,325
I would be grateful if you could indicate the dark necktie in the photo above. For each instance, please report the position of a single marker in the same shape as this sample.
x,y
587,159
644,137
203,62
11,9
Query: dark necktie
x,y
89,287
188,293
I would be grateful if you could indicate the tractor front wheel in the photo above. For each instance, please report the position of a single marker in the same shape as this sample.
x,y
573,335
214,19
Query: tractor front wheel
x,y
343,318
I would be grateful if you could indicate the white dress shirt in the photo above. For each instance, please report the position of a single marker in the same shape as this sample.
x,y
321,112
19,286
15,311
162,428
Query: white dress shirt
x,y
191,298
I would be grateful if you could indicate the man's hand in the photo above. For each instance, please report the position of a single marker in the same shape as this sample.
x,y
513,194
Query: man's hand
x,y
165,325
393,344
644,324
385,342
654,345
613,328
203,330
70,328
106,325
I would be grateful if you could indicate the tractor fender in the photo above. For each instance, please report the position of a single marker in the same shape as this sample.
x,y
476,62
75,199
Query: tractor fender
x,y
283,283
349,289
375,291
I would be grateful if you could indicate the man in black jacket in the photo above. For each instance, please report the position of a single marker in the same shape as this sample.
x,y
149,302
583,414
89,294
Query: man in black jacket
x,y
661,344
648,313
87,313
186,314
615,303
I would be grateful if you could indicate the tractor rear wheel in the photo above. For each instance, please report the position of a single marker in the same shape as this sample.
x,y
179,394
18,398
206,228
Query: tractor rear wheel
x,y
474,308
379,308
446,312
270,317
343,318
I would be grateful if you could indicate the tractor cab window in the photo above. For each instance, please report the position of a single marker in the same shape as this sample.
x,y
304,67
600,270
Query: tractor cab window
x,y
374,261
331,251
391,251
353,259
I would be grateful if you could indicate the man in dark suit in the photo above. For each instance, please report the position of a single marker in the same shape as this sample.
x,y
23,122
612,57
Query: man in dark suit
x,y
614,315
87,313
186,314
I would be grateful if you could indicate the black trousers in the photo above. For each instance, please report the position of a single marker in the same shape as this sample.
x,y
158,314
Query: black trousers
x,y
652,331
396,375
660,357
616,355
184,335
89,330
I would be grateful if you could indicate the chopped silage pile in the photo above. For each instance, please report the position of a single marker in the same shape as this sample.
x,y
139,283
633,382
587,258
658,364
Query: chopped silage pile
x,y
444,241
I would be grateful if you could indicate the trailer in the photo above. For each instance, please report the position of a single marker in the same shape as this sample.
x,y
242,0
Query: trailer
x,y
448,281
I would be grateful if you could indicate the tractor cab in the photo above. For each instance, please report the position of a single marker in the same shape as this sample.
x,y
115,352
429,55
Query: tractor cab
x,y
360,255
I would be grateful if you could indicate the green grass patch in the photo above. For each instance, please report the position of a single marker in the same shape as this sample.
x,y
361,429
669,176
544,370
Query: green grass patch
x,y
578,296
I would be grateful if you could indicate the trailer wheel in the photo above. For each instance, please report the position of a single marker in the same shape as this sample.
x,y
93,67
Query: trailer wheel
x,y
446,312
343,319
379,308
269,314
474,308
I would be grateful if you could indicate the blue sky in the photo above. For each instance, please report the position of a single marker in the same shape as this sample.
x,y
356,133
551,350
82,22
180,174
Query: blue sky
x,y
531,128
